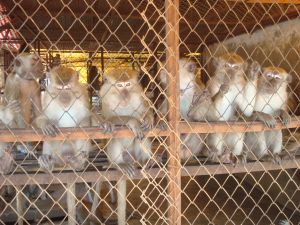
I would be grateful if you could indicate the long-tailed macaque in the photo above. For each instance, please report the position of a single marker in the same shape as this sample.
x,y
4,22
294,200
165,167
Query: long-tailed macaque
x,y
7,115
65,104
271,102
22,86
192,143
238,87
124,103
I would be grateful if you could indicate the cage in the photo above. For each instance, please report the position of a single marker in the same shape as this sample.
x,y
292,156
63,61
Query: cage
x,y
173,168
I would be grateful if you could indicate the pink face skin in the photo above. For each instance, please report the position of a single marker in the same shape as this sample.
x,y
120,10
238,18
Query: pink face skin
x,y
124,89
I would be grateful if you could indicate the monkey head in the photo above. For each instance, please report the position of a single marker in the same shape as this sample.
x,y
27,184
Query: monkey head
x,y
64,81
272,79
28,66
187,74
124,83
229,67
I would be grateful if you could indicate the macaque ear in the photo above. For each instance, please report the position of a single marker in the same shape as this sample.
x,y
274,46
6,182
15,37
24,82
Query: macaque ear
x,y
17,62
289,78
215,61
192,67
245,66
163,76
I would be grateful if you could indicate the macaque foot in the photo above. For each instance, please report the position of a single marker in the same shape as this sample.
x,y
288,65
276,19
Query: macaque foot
x,y
162,125
127,169
276,159
78,161
46,162
107,127
238,159
6,163
155,160
228,157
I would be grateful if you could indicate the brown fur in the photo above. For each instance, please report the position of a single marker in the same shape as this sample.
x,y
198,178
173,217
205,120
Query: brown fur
x,y
62,75
122,75
21,85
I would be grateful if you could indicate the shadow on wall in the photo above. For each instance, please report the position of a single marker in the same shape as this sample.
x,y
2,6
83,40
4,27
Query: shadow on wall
x,y
277,45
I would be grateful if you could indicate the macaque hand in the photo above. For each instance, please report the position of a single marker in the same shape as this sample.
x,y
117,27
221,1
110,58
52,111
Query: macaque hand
x,y
268,119
224,88
285,118
50,129
253,71
199,98
46,163
135,126
6,163
147,123
107,127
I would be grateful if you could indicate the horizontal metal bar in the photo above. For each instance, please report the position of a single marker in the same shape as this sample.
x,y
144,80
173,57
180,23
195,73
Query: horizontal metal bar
x,y
115,175
13,135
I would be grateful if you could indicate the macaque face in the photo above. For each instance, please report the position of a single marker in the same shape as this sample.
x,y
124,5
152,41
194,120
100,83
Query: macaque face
x,y
271,79
229,67
28,66
124,90
187,74
64,81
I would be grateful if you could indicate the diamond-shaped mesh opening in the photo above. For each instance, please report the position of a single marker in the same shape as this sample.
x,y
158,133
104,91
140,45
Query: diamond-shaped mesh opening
x,y
149,112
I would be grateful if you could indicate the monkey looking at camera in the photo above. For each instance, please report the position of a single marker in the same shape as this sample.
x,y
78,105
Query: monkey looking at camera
x,y
124,103
271,102
65,104
238,84
192,143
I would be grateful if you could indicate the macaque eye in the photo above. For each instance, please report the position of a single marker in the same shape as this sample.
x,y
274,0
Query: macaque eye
x,y
127,84
59,87
236,67
269,75
277,77
227,65
119,85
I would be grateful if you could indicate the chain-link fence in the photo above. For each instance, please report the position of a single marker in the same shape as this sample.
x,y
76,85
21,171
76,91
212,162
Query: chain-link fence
x,y
149,112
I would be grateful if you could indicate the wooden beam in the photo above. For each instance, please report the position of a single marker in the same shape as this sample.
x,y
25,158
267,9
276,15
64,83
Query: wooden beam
x,y
23,135
59,177
274,1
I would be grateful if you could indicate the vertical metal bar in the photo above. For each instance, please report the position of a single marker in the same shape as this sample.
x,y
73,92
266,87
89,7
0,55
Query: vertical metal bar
x,y
20,205
172,66
71,203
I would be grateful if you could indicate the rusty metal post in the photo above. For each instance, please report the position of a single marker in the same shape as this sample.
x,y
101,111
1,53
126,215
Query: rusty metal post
x,y
172,66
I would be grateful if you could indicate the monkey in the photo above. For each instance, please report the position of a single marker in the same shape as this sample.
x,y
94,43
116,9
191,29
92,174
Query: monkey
x,y
271,102
124,103
22,86
65,104
192,143
234,84
7,114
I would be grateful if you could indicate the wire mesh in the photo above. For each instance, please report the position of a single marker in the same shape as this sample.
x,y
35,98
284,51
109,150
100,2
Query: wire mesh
x,y
149,112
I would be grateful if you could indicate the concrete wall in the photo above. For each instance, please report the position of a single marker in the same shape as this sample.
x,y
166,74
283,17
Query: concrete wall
x,y
277,45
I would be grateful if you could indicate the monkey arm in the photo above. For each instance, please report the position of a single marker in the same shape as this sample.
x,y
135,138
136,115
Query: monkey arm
x,y
246,99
